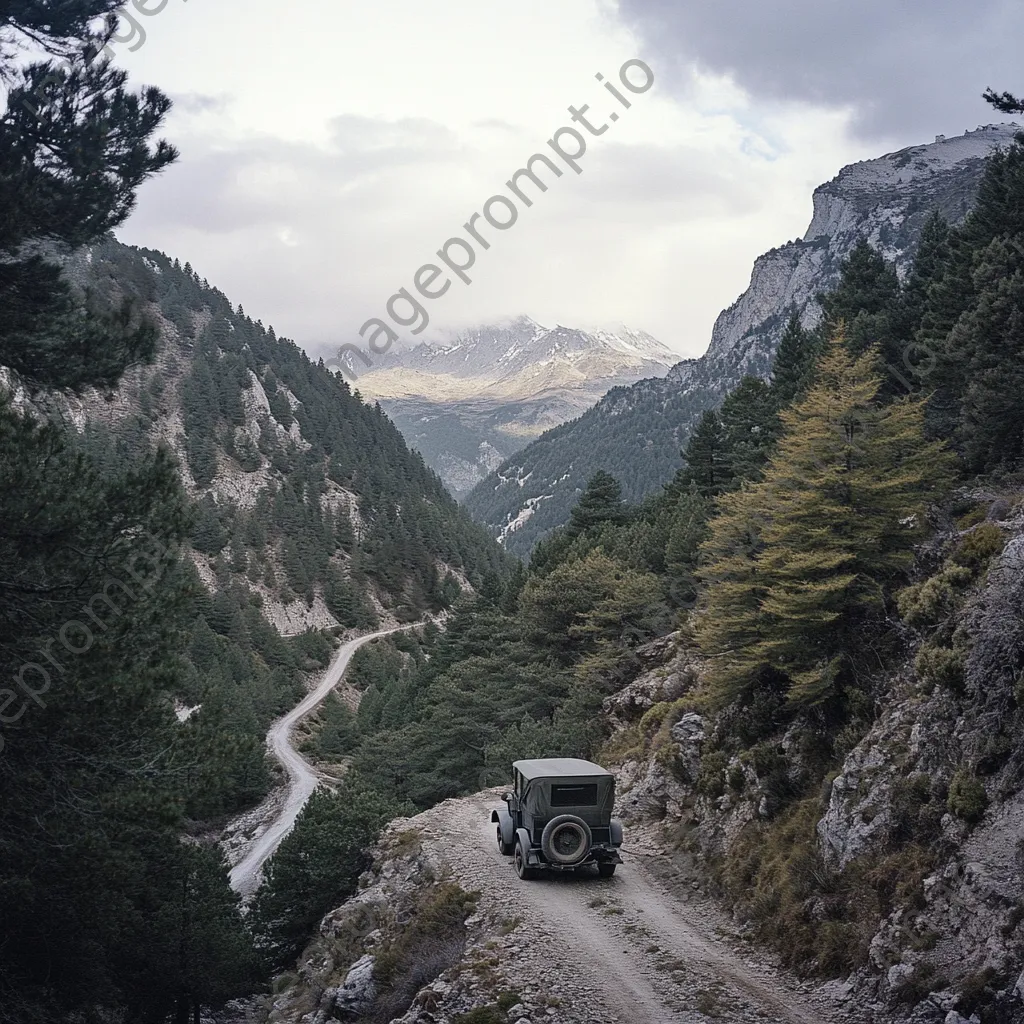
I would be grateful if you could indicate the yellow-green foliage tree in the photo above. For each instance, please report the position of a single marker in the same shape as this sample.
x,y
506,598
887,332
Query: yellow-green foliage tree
x,y
593,610
798,566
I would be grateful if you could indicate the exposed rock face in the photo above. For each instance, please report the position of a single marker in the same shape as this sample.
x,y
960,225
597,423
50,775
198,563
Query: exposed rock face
x,y
642,427
358,991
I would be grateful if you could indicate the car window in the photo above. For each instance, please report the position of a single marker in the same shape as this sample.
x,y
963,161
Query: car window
x,y
578,795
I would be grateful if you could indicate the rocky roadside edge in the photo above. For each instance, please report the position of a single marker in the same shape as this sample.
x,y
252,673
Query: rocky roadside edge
x,y
336,978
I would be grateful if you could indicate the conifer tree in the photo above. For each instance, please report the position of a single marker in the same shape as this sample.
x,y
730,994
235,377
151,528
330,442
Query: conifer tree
x,y
749,428
74,147
794,362
798,565
1005,103
707,464
970,322
863,298
600,503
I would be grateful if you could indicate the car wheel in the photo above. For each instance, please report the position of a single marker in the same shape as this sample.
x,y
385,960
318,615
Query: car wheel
x,y
606,870
505,849
523,870
566,839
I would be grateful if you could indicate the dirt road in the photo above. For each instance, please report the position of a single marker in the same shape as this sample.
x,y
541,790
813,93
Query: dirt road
x,y
302,777
620,949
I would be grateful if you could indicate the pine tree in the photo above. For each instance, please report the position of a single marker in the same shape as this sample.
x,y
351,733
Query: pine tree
x,y
1005,102
990,343
750,427
867,306
794,362
798,565
707,464
74,147
687,530
317,866
863,301
93,601
970,322
600,503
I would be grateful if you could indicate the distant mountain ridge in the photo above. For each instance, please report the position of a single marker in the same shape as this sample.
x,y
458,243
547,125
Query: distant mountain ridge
x,y
469,403
636,432
502,351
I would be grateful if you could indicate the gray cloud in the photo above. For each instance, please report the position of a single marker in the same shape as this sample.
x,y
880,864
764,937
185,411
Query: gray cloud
x,y
907,69
200,103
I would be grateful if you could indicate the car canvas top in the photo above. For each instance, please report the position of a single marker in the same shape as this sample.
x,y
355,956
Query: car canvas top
x,y
558,767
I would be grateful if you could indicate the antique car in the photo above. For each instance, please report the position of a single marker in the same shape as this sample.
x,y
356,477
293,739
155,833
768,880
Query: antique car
x,y
558,817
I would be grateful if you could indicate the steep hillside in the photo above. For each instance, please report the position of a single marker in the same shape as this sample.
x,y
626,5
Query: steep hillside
x,y
636,433
468,404
900,872
310,516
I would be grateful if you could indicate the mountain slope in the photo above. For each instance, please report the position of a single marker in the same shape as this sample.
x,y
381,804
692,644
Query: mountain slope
x,y
470,403
636,432
310,515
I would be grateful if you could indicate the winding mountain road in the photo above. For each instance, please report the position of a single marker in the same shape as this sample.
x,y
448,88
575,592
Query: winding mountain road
x,y
302,776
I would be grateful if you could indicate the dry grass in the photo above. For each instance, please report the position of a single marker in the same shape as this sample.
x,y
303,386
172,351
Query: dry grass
x,y
432,942
820,921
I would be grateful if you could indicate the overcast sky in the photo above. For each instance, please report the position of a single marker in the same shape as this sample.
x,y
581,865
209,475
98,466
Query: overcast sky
x,y
329,149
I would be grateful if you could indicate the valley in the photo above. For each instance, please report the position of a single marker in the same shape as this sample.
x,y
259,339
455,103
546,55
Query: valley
x,y
470,403
275,630
302,777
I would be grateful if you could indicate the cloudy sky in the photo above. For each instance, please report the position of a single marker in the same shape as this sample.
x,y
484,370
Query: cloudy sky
x,y
329,149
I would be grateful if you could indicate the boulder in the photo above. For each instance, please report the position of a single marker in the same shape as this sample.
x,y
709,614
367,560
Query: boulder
x,y
357,993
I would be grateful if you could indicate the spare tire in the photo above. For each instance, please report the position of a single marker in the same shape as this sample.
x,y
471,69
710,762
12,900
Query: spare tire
x,y
566,839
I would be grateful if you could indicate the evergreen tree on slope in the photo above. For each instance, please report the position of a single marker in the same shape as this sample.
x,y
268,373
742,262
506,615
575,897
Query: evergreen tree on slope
x,y
799,565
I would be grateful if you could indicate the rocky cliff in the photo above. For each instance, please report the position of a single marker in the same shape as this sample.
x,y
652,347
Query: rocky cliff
x,y
636,432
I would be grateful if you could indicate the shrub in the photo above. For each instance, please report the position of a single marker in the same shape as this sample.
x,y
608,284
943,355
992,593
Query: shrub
x,y
283,982
654,716
971,517
820,921
625,745
766,758
711,777
481,1015
943,666
979,546
926,603
506,1000
656,724
667,756
978,990
431,943
967,797
895,879
915,813
916,985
